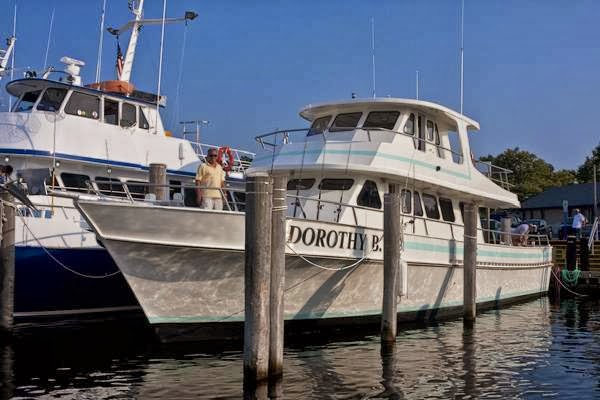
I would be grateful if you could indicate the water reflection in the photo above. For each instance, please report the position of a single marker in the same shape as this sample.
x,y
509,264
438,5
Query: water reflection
x,y
526,351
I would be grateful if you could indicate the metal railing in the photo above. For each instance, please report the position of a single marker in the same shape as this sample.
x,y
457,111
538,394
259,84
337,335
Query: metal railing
x,y
241,158
497,174
593,235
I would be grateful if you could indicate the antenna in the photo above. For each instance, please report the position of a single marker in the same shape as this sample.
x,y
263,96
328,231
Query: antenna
x,y
160,59
417,83
12,62
373,51
100,41
462,51
49,36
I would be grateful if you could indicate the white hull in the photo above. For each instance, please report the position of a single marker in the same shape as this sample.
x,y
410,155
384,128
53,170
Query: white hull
x,y
200,278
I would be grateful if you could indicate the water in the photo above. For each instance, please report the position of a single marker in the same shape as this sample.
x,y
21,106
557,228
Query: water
x,y
531,351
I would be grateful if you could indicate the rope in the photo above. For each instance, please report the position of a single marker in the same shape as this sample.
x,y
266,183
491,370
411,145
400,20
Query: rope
x,y
356,263
566,288
58,261
571,277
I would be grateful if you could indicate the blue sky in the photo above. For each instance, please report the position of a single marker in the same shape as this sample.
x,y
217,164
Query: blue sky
x,y
531,67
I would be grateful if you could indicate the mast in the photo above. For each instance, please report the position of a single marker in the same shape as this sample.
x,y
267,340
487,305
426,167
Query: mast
x,y
373,52
99,63
49,36
12,62
135,32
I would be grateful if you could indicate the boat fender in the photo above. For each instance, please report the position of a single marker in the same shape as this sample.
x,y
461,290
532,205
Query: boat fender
x,y
403,287
225,150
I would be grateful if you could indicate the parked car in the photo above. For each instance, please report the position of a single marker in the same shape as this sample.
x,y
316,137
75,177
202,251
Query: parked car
x,y
495,228
539,227
515,219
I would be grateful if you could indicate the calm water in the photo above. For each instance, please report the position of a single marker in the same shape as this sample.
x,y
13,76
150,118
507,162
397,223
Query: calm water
x,y
534,350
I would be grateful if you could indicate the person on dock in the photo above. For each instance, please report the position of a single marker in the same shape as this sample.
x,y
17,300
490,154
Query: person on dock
x,y
519,234
211,176
579,221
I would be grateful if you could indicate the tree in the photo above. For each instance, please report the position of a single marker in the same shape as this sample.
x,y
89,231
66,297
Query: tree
x,y
531,175
585,172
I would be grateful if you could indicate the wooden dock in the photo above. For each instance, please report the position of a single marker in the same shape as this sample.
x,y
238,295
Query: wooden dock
x,y
589,280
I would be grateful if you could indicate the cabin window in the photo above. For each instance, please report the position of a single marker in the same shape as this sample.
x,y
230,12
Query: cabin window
x,y
431,208
336,184
369,196
143,120
319,125
406,201
438,142
345,122
447,210
300,184
52,99
111,112
128,113
418,207
409,126
137,189
421,134
429,131
75,182
27,101
110,186
35,180
83,105
381,119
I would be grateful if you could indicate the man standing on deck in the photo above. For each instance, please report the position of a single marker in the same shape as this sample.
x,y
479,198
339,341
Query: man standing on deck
x,y
212,176
578,223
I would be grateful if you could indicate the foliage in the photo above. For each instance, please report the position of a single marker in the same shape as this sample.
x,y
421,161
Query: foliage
x,y
531,174
585,172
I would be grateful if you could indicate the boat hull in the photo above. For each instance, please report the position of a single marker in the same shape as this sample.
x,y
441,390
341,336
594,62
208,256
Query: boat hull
x,y
45,289
205,287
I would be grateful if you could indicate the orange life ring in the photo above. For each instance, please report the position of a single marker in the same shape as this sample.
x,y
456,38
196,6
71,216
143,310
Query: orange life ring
x,y
229,165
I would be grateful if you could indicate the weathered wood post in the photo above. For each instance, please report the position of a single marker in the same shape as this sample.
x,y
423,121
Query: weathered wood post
x,y
257,280
470,262
158,181
278,240
7,258
506,231
392,204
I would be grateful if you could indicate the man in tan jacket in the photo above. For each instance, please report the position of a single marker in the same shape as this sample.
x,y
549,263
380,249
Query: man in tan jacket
x,y
212,177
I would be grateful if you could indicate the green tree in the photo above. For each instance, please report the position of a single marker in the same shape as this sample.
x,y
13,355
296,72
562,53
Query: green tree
x,y
531,175
585,172
564,177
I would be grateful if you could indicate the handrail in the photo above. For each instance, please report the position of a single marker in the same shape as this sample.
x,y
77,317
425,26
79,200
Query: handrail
x,y
593,234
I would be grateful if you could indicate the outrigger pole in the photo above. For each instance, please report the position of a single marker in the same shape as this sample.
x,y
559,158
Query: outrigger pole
x,y
135,25
5,55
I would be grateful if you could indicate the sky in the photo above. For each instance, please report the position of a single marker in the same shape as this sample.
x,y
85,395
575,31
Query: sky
x,y
248,67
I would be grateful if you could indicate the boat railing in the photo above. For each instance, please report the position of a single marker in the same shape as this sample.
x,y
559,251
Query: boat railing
x,y
277,138
492,236
241,158
497,174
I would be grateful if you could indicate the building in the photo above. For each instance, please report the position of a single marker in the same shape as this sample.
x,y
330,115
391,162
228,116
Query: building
x,y
548,205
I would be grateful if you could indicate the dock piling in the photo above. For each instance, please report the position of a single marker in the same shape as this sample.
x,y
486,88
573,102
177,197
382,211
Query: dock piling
x,y
158,181
277,275
391,261
506,236
7,258
257,280
470,262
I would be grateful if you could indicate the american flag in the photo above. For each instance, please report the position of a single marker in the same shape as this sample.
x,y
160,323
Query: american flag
x,y
119,64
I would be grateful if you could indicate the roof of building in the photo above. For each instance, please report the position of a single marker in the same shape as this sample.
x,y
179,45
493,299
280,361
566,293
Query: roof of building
x,y
581,194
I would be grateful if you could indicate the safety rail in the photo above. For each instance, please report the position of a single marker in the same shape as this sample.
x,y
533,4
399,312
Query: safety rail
x,y
497,174
241,158
498,237
593,235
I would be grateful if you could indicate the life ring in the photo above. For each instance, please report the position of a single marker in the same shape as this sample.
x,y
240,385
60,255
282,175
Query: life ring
x,y
225,150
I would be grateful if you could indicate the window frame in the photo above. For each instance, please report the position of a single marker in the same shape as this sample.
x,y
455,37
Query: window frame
x,y
60,105
331,180
127,123
84,188
398,114
33,104
437,206
301,186
370,200
106,99
91,116
312,131
333,128
451,217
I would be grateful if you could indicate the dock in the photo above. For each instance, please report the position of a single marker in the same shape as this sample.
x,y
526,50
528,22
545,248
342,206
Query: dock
x,y
588,281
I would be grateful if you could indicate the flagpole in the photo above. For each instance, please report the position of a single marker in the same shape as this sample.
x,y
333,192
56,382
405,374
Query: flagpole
x,y
162,38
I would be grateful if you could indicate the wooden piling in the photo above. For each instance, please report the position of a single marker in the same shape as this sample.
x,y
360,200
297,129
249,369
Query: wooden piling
x,y
7,260
470,262
278,240
391,261
158,181
257,280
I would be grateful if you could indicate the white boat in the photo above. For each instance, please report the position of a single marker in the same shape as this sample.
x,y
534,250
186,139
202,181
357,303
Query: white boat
x,y
186,266
70,137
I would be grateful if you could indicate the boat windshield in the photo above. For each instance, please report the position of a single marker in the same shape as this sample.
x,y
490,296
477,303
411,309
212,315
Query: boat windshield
x,y
52,99
27,101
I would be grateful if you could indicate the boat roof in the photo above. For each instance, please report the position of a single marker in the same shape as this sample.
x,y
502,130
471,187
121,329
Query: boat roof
x,y
310,112
19,86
